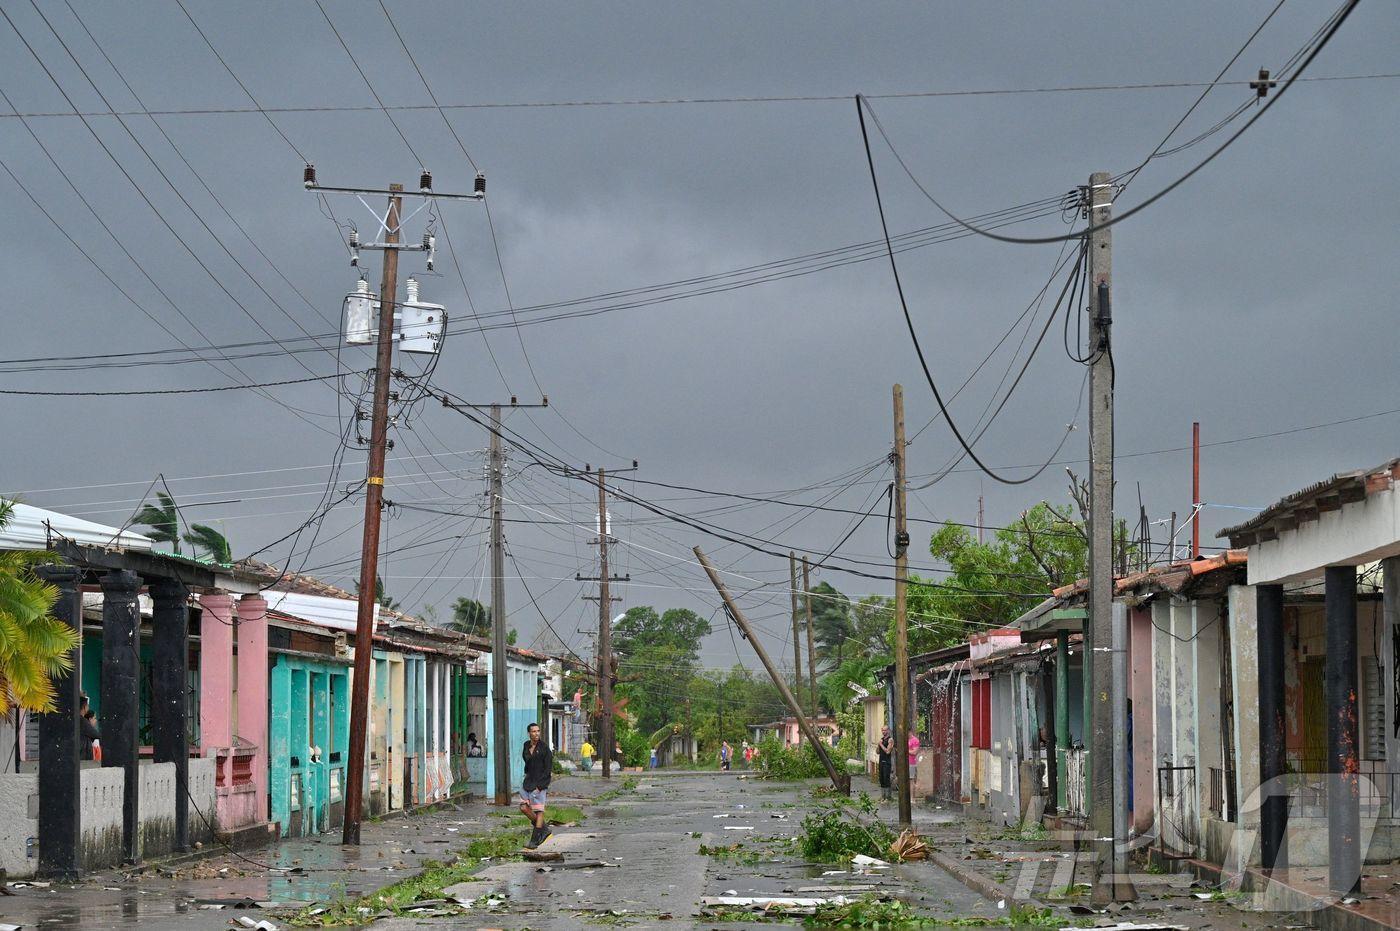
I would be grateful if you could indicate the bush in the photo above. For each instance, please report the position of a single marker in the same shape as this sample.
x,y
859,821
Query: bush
x,y
788,764
837,832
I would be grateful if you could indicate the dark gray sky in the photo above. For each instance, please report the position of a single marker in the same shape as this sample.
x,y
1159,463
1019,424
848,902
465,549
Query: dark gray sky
x,y
1257,298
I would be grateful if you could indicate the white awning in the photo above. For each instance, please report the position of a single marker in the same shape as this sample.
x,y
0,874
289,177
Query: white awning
x,y
32,528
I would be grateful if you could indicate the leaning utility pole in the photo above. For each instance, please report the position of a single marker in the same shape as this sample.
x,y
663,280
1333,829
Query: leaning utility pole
x,y
500,694
369,550
811,648
1104,648
840,780
901,618
796,633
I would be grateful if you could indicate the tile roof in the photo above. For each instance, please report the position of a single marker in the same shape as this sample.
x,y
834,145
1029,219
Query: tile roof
x,y
1327,495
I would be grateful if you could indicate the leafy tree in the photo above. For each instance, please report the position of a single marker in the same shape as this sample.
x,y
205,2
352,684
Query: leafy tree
x,y
835,686
471,617
34,646
163,519
215,544
658,656
991,584
831,623
870,623
512,635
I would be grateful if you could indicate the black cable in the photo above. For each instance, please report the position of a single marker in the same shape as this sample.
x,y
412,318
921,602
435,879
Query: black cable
x,y
1337,22
148,391
913,334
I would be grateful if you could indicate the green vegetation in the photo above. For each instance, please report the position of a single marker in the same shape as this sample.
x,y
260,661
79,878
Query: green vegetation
x,y
788,764
34,646
628,784
471,617
867,911
837,831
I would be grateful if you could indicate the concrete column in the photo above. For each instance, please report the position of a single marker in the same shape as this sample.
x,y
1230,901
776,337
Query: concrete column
x,y
1343,751
1144,720
60,776
1389,648
1241,604
169,677
1273,809
1061,717
252,688
121,671
216,671
280,745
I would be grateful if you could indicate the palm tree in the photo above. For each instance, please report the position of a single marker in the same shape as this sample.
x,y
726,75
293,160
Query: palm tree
x,y
471,617
202,536
164,521
385,600
34,646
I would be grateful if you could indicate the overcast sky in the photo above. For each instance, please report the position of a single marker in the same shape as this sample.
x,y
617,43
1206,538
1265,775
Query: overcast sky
x,y
1257,298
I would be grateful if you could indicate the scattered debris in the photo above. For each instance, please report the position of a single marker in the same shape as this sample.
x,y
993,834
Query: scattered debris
x,y
795,905
909,846
869,863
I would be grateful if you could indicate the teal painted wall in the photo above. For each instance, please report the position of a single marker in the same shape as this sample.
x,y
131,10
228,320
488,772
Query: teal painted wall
x,y
307,708
522,699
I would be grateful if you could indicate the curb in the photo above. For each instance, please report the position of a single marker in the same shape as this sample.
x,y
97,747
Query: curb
x,y
979,883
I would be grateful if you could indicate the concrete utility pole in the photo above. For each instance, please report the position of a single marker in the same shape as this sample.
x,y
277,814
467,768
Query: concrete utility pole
x,y
1105,644
605,671
839,778
500,693
811,648
901,618
369,550
796,633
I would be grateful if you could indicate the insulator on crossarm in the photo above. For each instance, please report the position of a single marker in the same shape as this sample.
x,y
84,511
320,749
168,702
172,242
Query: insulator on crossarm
x,y
480,187
308,175
425,181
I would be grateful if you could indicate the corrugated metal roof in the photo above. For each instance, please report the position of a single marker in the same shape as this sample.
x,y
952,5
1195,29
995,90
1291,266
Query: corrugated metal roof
x,y
32,528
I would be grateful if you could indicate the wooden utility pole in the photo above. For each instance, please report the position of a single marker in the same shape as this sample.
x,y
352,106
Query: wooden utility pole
x,y
500,692
796,633
811,648
1101,657
605,670
839,779
901,618
369,549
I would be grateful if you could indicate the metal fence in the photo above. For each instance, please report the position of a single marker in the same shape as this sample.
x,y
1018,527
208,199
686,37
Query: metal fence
x,y
1218,793
1178,814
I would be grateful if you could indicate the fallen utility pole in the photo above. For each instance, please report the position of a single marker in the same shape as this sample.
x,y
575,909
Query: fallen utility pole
x,y
369,550
839,779
796,631
901,618
811,647
1105,644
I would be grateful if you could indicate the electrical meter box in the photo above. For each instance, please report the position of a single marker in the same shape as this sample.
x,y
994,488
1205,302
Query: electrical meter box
x,y
420,325
361,315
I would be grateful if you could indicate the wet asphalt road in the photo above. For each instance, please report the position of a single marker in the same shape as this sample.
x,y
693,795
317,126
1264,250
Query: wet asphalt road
x,y
648,836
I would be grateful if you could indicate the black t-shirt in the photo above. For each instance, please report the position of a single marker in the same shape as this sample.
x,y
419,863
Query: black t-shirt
x,y
885,755
539,766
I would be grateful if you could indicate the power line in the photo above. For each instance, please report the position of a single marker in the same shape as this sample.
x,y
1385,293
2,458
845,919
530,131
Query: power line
x,y
913,333
1336,20
689,101
150,391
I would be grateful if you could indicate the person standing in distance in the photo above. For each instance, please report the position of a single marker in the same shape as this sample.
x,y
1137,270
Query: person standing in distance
x,y
539,769
885,749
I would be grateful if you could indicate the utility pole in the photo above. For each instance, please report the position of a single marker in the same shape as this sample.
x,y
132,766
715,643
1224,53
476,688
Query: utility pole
x,y
841,781
811,648
901,618
1196,490
980,520
796,635
423,328
500,694
369,549
1106,645
605,672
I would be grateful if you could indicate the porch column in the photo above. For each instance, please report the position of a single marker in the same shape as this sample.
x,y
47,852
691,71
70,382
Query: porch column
x,y
1061,718
216,672
1273,809
121,670
60,775
252,688
1343,785
169,681
1390,647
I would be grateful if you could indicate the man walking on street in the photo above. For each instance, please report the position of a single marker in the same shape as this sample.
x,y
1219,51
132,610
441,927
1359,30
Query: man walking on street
x,y
885,748
725,752
586,752
539,769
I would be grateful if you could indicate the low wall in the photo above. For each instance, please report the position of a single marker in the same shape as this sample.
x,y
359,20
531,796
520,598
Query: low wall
x,y
101,812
